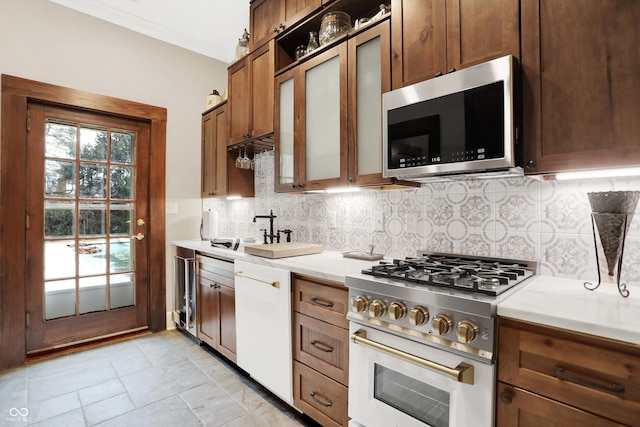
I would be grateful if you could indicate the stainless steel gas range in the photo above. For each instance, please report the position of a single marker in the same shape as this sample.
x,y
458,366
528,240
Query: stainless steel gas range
x,y
423,343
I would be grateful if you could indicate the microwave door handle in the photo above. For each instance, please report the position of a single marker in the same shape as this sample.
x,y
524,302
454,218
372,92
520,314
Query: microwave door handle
x,y
462,373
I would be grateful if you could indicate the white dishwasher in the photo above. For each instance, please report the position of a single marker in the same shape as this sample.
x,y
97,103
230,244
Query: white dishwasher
x,y
263,326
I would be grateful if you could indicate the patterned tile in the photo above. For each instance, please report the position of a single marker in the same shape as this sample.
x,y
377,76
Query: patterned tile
x,y
513,217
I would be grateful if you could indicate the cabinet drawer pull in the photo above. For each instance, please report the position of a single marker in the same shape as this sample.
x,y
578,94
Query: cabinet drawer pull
x,y
324,403
275,284
560,373
321,302
321,346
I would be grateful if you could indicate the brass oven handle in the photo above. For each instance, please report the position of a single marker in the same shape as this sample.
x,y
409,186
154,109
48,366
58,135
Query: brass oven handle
x,y
321,346
275,284
462,373
323,303
326,404
560,373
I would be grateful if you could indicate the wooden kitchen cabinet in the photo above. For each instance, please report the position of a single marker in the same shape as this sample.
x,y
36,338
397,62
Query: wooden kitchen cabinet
x,y
555,376
251,96
321,350
435,36
269,18
328,122
220,177
216,311
581,80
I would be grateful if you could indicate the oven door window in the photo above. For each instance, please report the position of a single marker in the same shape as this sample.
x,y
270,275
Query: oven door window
x,y
414,398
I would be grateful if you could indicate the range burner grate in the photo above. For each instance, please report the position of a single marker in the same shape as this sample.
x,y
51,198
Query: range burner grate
x,y
480,275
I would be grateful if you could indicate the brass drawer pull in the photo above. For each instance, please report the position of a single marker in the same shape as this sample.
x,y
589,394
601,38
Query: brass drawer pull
x,y
321,302
560,373
462,373
275,283
321,346
324,403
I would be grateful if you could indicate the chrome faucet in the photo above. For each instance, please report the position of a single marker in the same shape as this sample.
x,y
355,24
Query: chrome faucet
x,y
271,235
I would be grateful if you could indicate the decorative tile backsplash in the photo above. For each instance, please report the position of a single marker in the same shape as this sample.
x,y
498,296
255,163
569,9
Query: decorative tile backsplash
x,y
519,218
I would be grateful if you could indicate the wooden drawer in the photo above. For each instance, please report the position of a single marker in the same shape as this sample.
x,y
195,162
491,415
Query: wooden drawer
x,y
328,301
517,407
322,346
320,397
597,375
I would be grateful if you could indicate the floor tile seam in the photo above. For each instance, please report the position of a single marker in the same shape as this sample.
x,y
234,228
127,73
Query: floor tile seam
x,y
63,413
191,409
86,421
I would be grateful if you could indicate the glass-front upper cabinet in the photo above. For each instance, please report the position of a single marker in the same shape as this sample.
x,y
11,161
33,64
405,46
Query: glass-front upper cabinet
x,y
285,128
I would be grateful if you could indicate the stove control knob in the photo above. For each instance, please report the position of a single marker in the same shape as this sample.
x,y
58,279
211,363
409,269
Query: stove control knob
x,y
360,304
397,310
466,331
441,324
377,308
418,315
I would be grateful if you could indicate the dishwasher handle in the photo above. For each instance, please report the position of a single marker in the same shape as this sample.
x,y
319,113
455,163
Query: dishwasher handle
x,y
274,283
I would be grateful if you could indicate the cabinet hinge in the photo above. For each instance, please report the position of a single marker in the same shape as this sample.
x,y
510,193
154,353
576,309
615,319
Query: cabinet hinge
x,y
27,320
28,124
27,221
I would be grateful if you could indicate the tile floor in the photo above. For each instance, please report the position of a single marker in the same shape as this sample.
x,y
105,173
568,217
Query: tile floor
x,y
163,379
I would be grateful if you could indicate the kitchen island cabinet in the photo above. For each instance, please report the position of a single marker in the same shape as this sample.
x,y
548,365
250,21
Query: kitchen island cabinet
x,y
581,80
321,350
435,36
216,306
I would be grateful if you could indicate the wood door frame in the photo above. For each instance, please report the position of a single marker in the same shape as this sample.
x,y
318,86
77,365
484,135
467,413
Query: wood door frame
x,y
16,92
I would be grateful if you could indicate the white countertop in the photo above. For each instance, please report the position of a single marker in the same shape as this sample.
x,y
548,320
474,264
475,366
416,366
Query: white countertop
x,y
566,304
329,265
550,301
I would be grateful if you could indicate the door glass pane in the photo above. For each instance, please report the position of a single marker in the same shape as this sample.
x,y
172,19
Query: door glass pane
x,y
60,140
93,181
121,182
93,144
322,106
59,179
93,294
59,298
419,400
59,218
93,219
369,107
88,253
121,219
123,147
59,260
92,257
286,132
121,255
122,290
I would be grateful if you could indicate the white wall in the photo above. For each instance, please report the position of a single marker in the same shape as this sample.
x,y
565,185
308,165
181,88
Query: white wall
x,y
44,41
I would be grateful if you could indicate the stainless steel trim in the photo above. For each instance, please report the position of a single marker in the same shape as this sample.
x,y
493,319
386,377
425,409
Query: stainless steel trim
x,y
468,78
462,373
275,283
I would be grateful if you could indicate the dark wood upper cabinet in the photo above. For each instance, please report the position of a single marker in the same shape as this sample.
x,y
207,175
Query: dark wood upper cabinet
x,y
251,96
435,36
220,177
581,84
269,18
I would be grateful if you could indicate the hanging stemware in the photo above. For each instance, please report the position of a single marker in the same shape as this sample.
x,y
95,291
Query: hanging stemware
x,y
239,159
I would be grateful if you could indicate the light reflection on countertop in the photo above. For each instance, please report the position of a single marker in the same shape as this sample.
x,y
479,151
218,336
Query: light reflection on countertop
x,y
566,304
329,265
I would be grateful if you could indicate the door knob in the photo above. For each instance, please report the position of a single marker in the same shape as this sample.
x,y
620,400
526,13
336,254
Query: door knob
x,y
138,236
140,222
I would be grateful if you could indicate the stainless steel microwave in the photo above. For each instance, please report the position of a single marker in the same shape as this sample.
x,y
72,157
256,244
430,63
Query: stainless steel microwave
x,y
460,123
